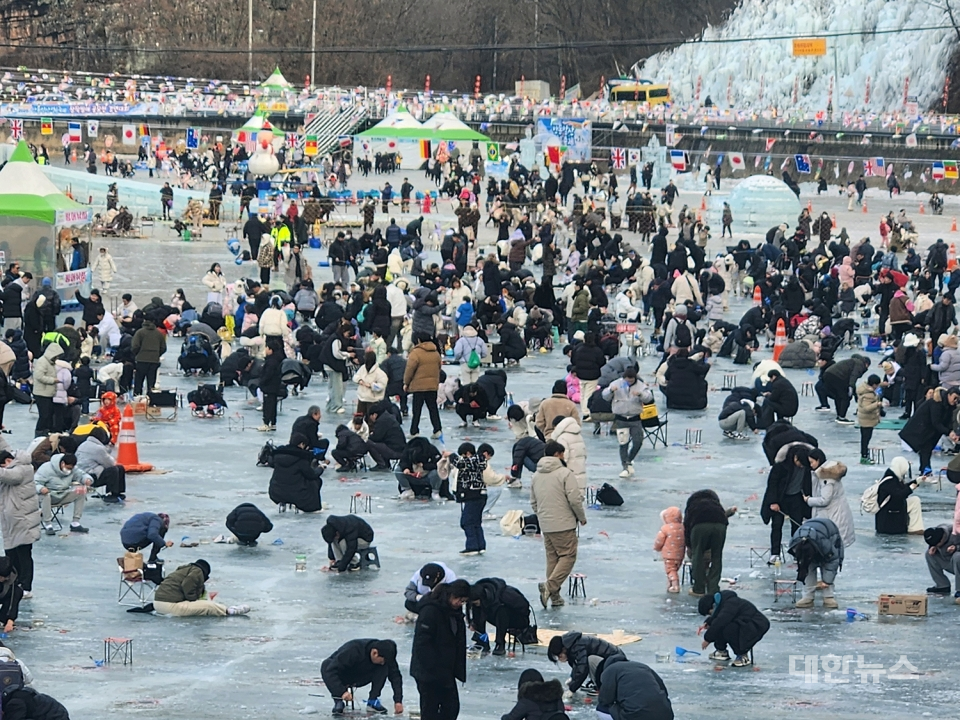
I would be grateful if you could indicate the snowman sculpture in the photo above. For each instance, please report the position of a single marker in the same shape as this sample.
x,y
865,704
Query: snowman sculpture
x,y
264,160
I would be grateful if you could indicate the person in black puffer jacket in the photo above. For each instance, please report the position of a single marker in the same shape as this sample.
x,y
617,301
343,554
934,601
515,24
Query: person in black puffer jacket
x,y
588,361
295,481
686,387
512,346
705,528
537,699
21,366
28,704
248,522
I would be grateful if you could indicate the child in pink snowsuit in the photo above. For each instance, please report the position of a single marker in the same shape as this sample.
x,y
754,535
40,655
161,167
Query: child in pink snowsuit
x,y
671,546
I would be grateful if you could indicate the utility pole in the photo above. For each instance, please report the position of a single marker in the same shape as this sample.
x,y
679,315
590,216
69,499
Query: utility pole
x,y
250,41
313,48
536,36
496,19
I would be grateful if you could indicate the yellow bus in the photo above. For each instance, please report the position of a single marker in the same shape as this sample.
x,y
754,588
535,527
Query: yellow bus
x,y
639,91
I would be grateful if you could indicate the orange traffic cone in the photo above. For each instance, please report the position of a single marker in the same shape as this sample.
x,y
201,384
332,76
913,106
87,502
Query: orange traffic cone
x,y
810,206
833,221
953,225
864,207
757,296
952,258
703,203
127,454
922,209
780,342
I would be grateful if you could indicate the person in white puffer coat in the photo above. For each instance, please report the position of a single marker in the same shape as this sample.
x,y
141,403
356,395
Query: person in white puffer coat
x,y
567,433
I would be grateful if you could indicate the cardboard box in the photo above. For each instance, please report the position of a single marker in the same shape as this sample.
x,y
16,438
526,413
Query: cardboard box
x,y
912,605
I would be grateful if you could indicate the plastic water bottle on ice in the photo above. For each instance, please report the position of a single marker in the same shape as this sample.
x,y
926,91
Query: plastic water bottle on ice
x,y
301,565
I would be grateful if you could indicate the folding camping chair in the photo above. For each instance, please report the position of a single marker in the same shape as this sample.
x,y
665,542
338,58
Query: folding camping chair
x,y
654,426
163,405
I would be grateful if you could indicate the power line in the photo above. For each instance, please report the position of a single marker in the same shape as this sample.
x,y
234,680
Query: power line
x,y
479,47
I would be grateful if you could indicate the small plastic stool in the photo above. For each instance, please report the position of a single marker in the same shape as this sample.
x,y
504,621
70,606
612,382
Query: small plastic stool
x,y
784,587
361,502
940,476
577,585
876,456
729,381
807,389
694,436
115,649
368,557
761,555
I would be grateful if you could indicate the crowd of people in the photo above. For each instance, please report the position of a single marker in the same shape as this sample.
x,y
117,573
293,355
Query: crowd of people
x,y
394,336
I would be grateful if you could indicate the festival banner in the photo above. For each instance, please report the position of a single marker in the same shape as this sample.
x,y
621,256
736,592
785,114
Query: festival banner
x,y
193,138
310,146
46,126
74,278
950,171
576,134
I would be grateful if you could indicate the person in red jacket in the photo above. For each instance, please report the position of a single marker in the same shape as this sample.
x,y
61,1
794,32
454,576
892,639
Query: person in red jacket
x,y
109,413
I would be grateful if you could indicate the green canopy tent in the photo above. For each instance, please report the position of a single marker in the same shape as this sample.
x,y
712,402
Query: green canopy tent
x,y
34,215
417,141
276,83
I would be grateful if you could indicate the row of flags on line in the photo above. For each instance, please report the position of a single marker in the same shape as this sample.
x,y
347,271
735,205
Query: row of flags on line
x,y
872,167
129,133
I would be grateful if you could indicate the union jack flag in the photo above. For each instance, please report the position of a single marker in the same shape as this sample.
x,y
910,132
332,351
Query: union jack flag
x,y
618,158
16,129
867,168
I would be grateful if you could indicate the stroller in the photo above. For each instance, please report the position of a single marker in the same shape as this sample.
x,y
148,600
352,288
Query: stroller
x,y
294,375
206,402
197,356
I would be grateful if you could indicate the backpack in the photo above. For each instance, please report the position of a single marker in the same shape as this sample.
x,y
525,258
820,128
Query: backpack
x,y
608,495
473,360
682,337
11,677
194,346
868,501
265,456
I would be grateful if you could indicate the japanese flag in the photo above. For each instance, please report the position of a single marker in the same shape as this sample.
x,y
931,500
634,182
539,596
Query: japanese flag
x,y
736,161
129,134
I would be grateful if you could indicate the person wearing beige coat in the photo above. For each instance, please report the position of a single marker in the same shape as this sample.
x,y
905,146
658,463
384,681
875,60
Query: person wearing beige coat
x,y
557,500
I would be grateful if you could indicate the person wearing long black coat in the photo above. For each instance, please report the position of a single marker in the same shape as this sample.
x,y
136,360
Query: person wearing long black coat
x,y
493,601
788,483
686,387
632,691
439,655
893,517
247,522
294,480
376,318
732,621
491,278
931,421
